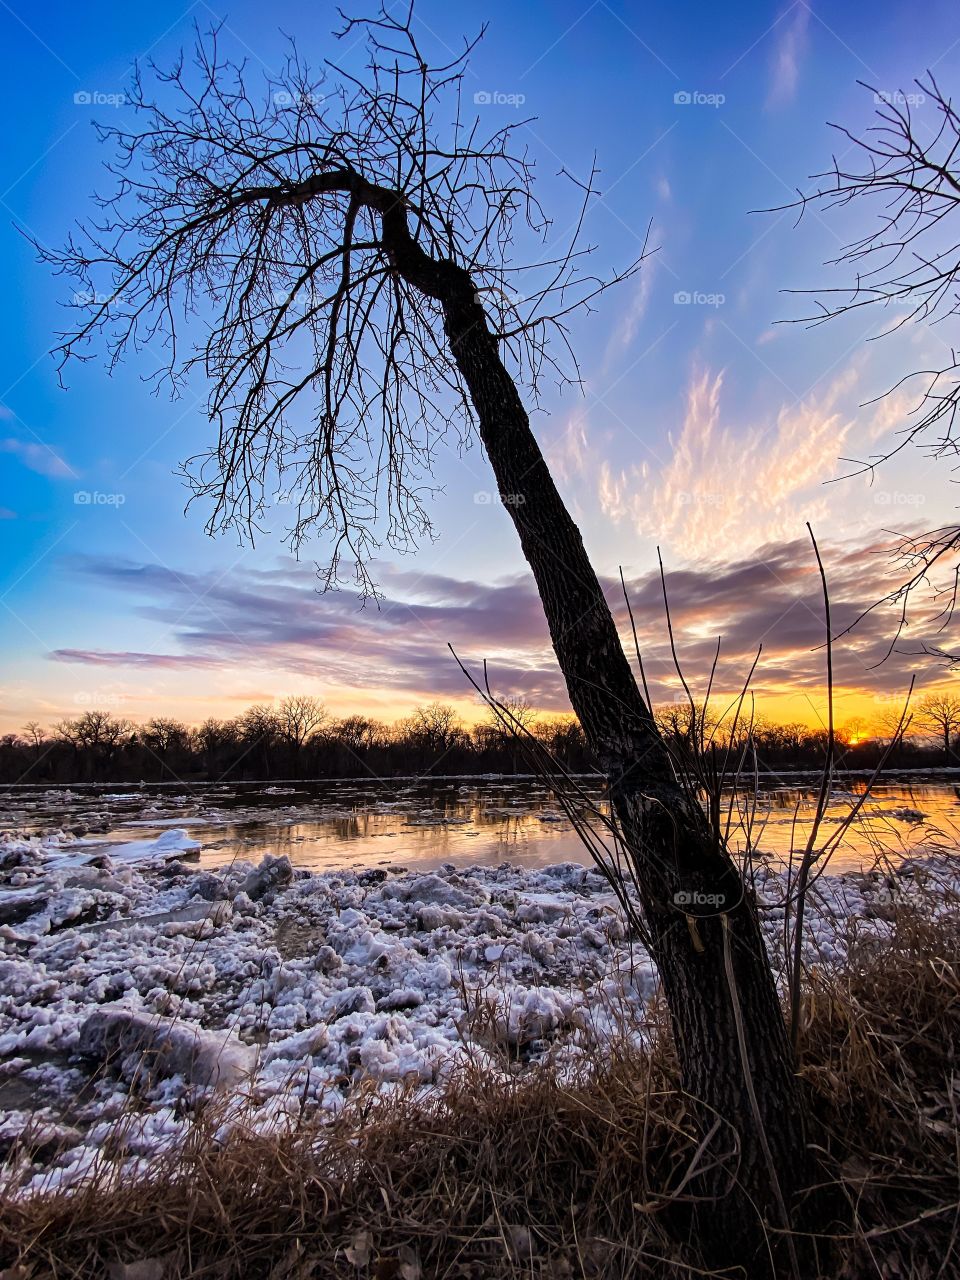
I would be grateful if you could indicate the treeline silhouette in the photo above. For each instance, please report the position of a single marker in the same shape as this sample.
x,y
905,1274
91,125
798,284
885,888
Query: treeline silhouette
x,y
298,738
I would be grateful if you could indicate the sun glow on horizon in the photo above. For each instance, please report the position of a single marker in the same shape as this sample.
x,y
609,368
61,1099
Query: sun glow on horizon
x,y
807,708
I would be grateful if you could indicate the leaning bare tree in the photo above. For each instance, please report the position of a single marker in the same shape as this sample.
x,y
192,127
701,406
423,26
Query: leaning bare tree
x,y
903,173
345,251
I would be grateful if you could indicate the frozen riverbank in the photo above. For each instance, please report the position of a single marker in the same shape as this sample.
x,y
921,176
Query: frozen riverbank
x,y
134,989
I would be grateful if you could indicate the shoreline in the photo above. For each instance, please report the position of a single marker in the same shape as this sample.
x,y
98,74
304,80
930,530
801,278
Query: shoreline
x,y
934,772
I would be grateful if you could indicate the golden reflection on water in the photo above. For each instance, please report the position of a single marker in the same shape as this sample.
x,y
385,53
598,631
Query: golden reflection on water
x,y
450,825
426,824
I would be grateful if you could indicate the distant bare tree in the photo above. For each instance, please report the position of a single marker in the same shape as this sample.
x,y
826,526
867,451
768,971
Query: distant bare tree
x,y
892,724
259,721
508,725
35,735
853,731
212,737
793,735
563,738
520,712
162,733
259,728
684,723
358,733
940,712
94,736
346,250
299,717
92,730
436,725
163,736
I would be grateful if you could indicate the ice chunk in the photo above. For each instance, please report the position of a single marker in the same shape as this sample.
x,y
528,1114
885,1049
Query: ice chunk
x,y
168,845
270,874
438,890
164,1047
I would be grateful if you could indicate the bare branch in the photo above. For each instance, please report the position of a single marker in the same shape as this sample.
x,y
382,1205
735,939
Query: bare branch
x,y
906,268
288,245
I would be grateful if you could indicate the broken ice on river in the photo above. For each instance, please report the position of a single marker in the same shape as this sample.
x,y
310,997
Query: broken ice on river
x,y
160,948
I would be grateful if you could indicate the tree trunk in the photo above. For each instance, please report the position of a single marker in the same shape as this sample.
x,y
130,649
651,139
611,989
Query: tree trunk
x,y
730,1036
724,1008
728,1026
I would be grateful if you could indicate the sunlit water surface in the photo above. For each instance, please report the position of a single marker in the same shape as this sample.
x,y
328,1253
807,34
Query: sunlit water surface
x,y
423,824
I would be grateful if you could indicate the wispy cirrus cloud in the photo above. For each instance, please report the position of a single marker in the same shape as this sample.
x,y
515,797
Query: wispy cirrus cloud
x,y
726,485
133,659
37,457
628,322
790,47
568,452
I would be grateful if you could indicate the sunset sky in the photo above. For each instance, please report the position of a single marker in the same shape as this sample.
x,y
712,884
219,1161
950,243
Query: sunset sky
x,y
704,426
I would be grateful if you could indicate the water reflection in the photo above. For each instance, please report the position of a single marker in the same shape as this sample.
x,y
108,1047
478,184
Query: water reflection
x,y
326,826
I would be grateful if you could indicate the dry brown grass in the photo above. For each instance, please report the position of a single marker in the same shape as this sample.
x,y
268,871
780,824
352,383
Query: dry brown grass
x,y
881,1039
526,1176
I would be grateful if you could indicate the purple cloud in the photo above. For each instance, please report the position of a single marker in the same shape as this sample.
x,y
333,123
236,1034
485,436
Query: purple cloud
x,y
276,619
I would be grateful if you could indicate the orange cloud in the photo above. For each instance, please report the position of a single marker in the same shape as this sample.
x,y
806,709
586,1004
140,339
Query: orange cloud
x,y
727,486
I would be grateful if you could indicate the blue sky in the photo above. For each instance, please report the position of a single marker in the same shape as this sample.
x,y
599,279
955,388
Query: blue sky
x,y
703,427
